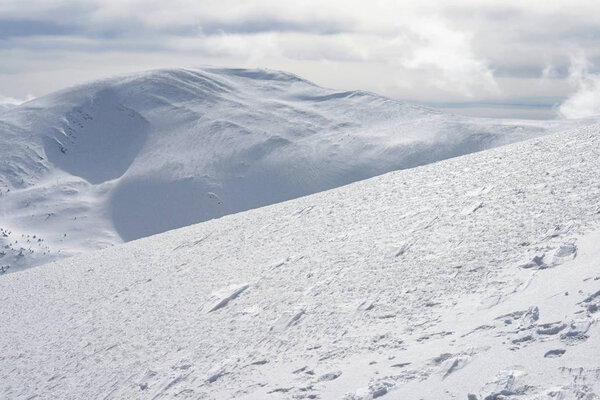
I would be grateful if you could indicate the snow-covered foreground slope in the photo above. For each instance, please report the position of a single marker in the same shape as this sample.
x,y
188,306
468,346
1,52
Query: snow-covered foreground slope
x,y
476,277
128,157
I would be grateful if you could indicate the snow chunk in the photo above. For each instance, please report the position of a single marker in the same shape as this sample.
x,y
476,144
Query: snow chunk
x,y
556,231
288,319
330,376
537,262
454,364
470,209
554,353
480,191
564,253
401,248
222,297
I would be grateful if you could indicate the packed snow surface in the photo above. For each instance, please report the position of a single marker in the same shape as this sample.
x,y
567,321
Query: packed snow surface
x,y
128,157
472,278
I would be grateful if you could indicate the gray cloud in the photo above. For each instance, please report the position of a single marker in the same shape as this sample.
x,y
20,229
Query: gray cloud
x,y
270,24
428,51
17,28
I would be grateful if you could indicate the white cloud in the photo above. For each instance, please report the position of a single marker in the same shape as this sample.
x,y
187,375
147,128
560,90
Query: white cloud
x,y
448,58
443,58
585,102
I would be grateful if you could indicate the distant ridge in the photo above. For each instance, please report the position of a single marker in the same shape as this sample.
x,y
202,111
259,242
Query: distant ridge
x,y
126,157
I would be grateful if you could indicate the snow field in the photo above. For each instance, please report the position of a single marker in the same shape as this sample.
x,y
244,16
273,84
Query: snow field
x,y
414,284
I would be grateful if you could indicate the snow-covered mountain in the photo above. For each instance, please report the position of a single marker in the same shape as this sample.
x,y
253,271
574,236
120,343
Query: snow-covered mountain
x,y
4,107
132,156
472,278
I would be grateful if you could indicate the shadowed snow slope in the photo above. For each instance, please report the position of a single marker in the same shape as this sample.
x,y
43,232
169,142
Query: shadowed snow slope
x,y
132,156
472,278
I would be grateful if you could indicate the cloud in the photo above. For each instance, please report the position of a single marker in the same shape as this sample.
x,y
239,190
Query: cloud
x,y
428,51
550,72
16,28
585,102
447,56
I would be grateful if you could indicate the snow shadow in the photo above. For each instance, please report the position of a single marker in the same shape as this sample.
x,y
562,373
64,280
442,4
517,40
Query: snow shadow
x,y
99,140
142,208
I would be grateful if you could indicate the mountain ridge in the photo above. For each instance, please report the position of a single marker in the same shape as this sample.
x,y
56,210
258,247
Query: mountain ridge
x,y
126,157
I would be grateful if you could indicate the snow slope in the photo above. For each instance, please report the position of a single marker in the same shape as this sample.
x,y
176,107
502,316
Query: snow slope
x,y
132,156
476,277
4,107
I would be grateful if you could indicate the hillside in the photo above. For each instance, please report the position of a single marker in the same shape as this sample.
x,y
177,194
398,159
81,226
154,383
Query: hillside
x,y
475,278
128,157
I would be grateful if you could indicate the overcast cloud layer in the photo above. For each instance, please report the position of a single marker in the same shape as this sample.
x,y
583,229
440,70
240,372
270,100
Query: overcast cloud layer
x,y
527,53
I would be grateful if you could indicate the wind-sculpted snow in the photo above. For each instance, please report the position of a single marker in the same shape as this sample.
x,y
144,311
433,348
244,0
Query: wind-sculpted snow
x,y
410,285
97,141
131,156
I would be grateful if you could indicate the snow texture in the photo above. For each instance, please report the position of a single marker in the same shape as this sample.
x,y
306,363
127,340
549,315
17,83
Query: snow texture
x,y
409,285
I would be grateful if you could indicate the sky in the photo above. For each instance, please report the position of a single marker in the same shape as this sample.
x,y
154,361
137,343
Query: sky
x,y
529,59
